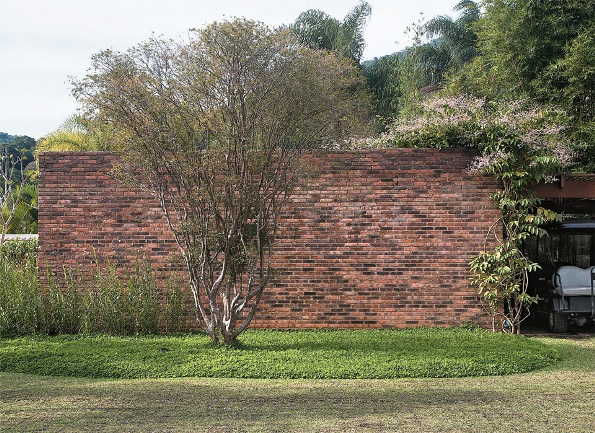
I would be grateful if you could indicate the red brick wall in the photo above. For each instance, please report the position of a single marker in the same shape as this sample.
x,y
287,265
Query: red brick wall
x,y
376,239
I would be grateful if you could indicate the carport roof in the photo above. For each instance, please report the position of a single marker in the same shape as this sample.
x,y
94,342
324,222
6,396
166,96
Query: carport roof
x,y
572,186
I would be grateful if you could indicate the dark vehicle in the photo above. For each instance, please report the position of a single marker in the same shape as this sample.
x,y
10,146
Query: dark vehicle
x,y
565,283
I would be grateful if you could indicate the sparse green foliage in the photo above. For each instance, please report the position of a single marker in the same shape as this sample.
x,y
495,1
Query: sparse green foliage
x,y
175,307
114,302
64,307
440,46
21,309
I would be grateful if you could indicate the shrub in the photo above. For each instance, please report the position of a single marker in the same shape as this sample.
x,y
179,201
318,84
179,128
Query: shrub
x,y
19,252
113,302
21,308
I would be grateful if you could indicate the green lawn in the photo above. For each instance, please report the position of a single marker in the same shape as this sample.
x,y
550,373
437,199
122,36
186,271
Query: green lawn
x,y
559,398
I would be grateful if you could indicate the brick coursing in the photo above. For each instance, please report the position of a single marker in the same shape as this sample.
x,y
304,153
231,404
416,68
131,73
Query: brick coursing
x,y
374,239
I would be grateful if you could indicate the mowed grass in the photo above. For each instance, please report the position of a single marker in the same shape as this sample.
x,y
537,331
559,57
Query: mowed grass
x,y
364,354
559,398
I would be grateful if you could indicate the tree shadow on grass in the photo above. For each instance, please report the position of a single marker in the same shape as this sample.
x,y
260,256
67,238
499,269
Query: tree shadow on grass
x,y
208,405
30,403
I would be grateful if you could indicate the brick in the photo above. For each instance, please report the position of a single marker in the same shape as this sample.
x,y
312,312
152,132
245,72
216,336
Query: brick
x,y
377,239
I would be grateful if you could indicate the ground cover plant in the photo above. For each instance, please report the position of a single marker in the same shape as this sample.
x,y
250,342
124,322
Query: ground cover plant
x,y
555,399
337,354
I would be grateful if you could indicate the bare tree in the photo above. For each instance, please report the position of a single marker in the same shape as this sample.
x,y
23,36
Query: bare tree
x,y
215,128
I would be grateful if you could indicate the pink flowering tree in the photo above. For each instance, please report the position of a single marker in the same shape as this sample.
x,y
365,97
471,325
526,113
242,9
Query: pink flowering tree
x,y
520,145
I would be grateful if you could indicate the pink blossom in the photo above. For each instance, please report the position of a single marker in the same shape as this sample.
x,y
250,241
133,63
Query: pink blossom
x,y
486,160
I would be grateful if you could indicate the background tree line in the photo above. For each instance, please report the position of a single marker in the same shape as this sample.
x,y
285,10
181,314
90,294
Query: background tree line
x,y
495,49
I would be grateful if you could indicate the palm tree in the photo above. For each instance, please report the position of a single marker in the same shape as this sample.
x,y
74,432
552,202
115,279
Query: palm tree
x,y
319,30
19,210
455,39
77,133
350,42
384,80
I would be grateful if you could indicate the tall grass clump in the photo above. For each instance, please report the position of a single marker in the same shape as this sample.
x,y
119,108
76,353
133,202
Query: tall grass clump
x,y
122,304
112,301
64,308
21,306
175,308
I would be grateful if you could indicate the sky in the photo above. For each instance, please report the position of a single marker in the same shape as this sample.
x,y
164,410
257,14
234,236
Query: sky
x,y
44,42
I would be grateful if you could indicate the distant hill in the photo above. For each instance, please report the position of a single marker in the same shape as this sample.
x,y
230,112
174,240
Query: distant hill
x,y
17,145
6,138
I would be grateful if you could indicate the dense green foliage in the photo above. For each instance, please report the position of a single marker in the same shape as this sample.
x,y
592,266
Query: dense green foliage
x,y
421,352
540,50
519,39
20,253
